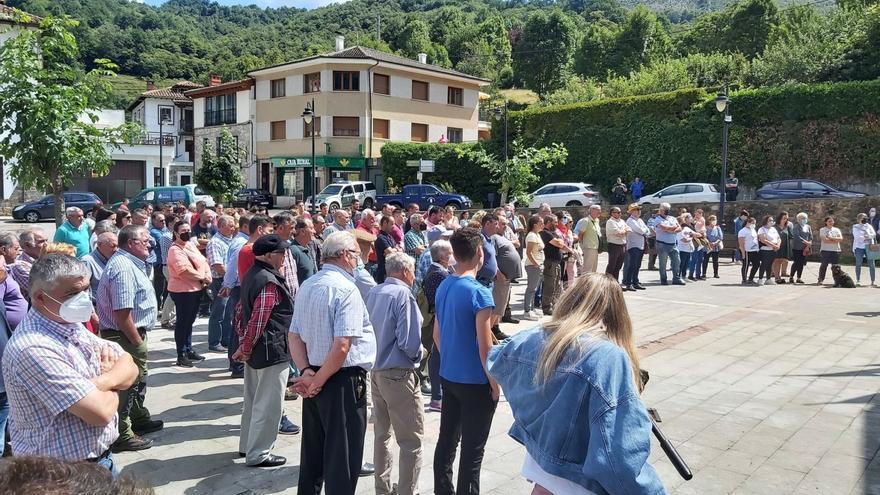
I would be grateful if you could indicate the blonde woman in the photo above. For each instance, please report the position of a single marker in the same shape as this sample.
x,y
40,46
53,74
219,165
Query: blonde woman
x,y
450,220
574,382
59,248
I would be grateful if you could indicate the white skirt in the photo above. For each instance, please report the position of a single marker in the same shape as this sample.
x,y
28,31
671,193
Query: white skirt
x,y
554,484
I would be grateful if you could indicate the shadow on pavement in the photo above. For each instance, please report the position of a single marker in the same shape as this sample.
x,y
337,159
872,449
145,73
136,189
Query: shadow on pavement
x,y
234,390
171,435
865,314
239,481
202,412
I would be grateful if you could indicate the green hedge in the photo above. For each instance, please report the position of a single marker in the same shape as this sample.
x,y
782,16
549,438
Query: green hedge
x,y
828,132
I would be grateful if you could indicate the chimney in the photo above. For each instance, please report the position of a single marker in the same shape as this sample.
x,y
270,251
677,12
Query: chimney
x,y
340,42
423,58
215,80
151,85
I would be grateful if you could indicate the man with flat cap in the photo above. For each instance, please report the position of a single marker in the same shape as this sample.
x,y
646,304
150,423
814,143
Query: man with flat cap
x,y
263,319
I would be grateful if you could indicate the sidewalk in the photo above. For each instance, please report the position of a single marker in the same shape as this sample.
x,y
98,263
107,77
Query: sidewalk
x,y
762,389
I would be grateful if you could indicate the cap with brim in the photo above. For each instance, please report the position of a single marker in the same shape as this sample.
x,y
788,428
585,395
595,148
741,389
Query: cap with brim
x,y
362,235
438,232
270,244
633,207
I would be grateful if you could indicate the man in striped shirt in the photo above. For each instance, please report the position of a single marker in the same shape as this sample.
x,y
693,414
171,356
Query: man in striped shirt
x,y
126,311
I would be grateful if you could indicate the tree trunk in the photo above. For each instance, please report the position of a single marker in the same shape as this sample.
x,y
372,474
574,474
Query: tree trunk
x,y
58,193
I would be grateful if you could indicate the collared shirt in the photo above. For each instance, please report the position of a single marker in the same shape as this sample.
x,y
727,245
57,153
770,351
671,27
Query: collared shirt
x,y
306,264
638,232
216,251
329,305
48,367
422,266
615,230
592,232
76,237
20,271
160,250
662,235
398,325
413,239
249,331
231,278
96,263
165,242
332,228
124,285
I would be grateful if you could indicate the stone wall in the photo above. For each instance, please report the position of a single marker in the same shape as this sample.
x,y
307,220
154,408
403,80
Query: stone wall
x,y
242,131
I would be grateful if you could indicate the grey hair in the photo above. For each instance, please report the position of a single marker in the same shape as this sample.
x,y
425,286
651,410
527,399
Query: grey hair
x,y
51,269
595,207
666,207
72,210
337,243
130,233
105,236
416,217
340,212
439,248
801,215
105,226
7,239
398,262
27,235
224,220
860,216
368,213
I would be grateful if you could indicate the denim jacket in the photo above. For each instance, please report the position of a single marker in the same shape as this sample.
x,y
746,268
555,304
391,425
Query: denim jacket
x,y
587,424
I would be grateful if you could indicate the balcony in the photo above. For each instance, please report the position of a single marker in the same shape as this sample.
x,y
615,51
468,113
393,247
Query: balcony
x,y
220,117
152,139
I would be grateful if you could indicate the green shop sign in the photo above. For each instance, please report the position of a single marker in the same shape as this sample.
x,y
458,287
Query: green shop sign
x,y
320,161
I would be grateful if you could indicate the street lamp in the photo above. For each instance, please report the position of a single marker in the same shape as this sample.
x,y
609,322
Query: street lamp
x,y
308,116
498,112
722,104
162,123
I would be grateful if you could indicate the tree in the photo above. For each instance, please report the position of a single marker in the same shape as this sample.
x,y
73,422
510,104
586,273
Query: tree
x,y
751,22
48,133
594,49
220,174
641,41
518,175
543,58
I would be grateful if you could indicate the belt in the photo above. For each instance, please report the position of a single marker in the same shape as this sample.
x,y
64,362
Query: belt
x,y
101,457
665,243
141,330
346,370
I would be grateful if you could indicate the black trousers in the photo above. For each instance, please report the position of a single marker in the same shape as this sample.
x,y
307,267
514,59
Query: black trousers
x,y
187,306
767,258
714,256
652,254
616,255
800,261
752,258
827,258
160,286
334,425
466,416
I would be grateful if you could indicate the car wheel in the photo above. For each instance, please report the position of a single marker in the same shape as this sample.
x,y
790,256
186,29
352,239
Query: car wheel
x,y
454,204
32,216
573,203
368,203
334,207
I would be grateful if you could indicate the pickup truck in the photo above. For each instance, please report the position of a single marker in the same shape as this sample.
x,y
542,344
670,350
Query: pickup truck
x,y
426,196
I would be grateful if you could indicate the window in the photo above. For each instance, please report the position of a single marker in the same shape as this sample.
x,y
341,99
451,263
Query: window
x,y
277,88
566,189
420,90
307,128
346,80
673,190
166,114
788,185
312,83
381,128
454,134
813,186
346,126
455,96
358,188
381,84
420,133
544,190
220,110
278,130
693,188
369,187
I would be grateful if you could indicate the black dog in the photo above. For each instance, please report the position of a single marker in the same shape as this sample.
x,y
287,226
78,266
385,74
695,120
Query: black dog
x,y
841,279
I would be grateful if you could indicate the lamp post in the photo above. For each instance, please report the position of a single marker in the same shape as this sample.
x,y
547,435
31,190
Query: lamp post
x,y
722,104
498,113
308,116
162,123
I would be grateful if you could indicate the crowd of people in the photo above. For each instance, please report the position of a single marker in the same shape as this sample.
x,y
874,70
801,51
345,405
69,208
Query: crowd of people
x,y
361,313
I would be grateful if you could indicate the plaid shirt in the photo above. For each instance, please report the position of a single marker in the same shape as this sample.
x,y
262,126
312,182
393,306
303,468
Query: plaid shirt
x,y
124,285
413,239
260,313
48,367
20,271
216,250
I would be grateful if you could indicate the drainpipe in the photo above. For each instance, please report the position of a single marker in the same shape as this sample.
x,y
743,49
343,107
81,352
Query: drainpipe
x,y
370,117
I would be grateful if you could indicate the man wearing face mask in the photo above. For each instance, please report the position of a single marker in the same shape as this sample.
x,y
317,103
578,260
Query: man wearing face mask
x,y
61,380
126,311
332,342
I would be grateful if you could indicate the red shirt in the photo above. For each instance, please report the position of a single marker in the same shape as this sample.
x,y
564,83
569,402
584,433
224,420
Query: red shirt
x,y
246,260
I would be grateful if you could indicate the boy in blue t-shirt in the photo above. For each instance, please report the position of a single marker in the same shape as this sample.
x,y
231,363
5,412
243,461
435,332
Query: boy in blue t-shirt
x,y
463,338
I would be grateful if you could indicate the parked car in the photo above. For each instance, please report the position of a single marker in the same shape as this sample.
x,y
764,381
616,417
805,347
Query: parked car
x,y
252,197
691,192
44,208
426,196
565,194
801,188
341,194
190,194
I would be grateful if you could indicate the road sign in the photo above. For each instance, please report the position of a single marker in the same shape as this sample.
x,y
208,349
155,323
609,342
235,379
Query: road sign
x,y
412,163
426,165
420,176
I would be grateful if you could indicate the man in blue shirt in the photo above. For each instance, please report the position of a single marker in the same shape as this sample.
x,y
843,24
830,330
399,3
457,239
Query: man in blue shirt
x,y
636,188
463,335
157,228
231,289
486,275
665,231
74,231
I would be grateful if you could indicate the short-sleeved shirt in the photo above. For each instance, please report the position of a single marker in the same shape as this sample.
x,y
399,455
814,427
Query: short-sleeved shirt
x,y
662,235
413,239
509,262
552,253
216,251
535,245
76,237
96,263
48,367
490,265
125,285
832,232
383,241
458,300
751,238
771,234
306,266
329,305
685,240
16,304
592,232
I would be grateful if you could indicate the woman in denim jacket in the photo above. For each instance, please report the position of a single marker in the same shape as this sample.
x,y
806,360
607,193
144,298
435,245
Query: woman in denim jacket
x,y
574,387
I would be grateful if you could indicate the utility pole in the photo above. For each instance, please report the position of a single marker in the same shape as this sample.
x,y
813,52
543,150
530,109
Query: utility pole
x,y
378,27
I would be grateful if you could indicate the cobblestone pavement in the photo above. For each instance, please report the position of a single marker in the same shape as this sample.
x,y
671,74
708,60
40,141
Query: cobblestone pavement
x,y
762,389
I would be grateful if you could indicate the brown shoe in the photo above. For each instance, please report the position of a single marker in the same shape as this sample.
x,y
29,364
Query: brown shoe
x,y
132,444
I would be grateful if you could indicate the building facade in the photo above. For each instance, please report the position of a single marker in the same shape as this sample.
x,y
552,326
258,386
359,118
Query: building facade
x,y
362,99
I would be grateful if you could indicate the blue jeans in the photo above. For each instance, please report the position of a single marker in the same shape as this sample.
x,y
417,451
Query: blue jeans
x,y
218,312
670,251
634,263
108,463
4,417
434,374
860,255
228,333
695,267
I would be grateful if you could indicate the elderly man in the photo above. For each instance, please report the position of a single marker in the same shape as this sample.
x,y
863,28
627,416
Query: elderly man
x,y
369,224
588,232
126,311
265,312
332,342
62,381
31,241
340,223
284,227
16,304
74,231
509,270
397,403
414,242
217,249
667,248
105,247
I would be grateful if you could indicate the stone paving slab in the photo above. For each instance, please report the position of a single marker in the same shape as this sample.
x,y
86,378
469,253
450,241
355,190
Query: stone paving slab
x,y
762,389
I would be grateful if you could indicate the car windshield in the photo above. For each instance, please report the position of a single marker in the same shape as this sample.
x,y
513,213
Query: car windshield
x,y
334,189
46,198
199,191
713,188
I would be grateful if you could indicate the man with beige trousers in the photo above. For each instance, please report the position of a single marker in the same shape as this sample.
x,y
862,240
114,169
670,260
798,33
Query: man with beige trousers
x,y
588,232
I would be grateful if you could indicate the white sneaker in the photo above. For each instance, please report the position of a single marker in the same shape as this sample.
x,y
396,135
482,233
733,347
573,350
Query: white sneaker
x,y
528,316
770,281
536,314
760,281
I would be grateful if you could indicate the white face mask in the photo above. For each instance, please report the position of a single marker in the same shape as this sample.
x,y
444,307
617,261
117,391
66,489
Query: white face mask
x,y
76,309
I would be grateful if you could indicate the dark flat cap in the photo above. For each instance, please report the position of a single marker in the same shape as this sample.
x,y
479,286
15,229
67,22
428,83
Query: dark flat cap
x,y
270,244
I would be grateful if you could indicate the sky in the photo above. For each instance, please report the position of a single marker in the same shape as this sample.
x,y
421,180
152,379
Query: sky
x,y
308,4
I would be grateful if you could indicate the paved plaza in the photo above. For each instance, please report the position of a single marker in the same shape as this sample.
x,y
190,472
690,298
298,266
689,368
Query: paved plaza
x,y
762,389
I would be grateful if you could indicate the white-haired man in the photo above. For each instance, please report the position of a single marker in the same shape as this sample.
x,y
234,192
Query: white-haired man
x,y
332,343
74,231
588,232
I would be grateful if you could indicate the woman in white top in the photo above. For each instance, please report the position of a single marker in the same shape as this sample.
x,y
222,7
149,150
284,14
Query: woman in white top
x,y
534,266
829,254
748,247
768,238
864,236
635,248
685,241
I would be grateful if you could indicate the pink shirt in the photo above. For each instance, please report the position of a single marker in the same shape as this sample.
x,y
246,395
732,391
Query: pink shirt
x,y
186,268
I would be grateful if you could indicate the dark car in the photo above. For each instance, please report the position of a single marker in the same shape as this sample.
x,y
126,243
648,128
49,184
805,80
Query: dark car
x,y
253,197
802,188
44,208
426,196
